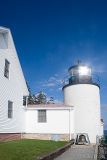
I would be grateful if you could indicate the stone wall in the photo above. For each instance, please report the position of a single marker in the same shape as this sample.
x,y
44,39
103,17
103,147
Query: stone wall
x,y
57,137
9,136
18,136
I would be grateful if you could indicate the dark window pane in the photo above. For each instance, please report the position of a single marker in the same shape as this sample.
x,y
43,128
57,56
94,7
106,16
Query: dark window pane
x,y
42,116
10,109
6,68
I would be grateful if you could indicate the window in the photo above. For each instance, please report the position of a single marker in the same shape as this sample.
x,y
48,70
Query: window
x,y
6,68
42,116
24,100
10,109
4,40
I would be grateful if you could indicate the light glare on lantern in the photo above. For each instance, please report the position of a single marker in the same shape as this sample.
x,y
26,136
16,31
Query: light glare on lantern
x,y
83,70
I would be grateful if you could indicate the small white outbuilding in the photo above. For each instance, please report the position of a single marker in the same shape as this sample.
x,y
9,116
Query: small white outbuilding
x,y
50,121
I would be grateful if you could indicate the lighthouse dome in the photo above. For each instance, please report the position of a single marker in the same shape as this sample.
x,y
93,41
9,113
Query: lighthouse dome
x,y
80,70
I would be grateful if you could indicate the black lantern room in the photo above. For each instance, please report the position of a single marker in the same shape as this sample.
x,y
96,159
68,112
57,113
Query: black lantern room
x,y
80,74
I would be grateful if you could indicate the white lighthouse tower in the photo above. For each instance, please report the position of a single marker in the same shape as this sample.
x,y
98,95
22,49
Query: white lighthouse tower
x,y
83,93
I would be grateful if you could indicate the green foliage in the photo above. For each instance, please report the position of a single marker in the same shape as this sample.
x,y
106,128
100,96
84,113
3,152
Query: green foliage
x,y
27,149
31,99
41,98
51,100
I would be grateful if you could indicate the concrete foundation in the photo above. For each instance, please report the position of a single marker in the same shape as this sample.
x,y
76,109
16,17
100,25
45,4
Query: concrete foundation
x,y
56,137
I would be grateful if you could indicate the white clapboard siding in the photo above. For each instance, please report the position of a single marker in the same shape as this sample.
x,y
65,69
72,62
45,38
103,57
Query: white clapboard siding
x,y
12,89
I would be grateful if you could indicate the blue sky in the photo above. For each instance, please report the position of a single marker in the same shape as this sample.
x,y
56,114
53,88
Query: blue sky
x,y
52,35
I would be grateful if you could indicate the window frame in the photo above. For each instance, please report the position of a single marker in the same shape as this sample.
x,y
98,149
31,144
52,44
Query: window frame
x,y
42,116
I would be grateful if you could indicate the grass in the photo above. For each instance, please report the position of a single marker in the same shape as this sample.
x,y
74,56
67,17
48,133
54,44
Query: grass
x,y
27,149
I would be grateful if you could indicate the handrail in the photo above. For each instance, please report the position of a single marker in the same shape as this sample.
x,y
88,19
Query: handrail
x,y
94,80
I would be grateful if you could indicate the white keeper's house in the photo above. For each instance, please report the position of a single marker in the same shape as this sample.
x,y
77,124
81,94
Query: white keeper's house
x,y
77,118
